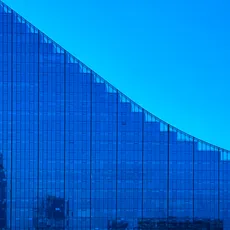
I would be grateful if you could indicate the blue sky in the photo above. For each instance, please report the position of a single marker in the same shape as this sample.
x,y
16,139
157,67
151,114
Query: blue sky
x,y
171,57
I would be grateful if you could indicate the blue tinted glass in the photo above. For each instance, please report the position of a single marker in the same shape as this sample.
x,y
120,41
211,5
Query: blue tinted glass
x,y
75,153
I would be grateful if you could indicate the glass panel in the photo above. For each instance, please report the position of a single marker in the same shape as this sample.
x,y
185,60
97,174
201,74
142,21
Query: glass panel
x,y
206,160
51,155
129,163
77,146
24,121
155,171
224,188
104,153
6,126
180,176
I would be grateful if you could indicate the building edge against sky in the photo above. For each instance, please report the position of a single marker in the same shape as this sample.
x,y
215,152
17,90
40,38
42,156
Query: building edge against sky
x,y
79,154
105,81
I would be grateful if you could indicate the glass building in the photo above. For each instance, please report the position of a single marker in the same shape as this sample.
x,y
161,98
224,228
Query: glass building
x,y
76,153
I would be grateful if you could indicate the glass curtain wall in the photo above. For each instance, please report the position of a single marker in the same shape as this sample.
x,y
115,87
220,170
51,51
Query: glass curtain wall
x,y
75,153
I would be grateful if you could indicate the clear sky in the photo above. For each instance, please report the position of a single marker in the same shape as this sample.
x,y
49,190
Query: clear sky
x,y
171,57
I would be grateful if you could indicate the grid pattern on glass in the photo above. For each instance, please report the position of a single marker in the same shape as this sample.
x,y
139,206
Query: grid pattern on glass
x,y
75,153
5,115
180,175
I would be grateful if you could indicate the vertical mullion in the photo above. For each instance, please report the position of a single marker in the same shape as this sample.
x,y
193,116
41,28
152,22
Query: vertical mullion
x,y
117,152
193,183
38,144
65,127
219,155
143,122
11,161
168,173
91,144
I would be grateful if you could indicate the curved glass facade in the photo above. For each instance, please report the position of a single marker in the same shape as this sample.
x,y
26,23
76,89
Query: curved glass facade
x,y
75,153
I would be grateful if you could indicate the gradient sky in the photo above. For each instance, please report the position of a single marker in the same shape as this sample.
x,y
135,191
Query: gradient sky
x,y
171,57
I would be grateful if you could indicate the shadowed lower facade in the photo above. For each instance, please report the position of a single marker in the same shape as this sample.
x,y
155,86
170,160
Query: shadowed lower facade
x,y
76,153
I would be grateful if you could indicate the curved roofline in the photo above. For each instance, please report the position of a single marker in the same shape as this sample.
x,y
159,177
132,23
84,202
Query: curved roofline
x,y
117,90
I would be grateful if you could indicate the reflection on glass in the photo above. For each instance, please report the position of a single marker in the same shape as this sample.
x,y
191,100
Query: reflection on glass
x,y
75,153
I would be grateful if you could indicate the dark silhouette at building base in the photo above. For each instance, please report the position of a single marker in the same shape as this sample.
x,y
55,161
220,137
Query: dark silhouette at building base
x,y
117,224
52,214
173,223
2,195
